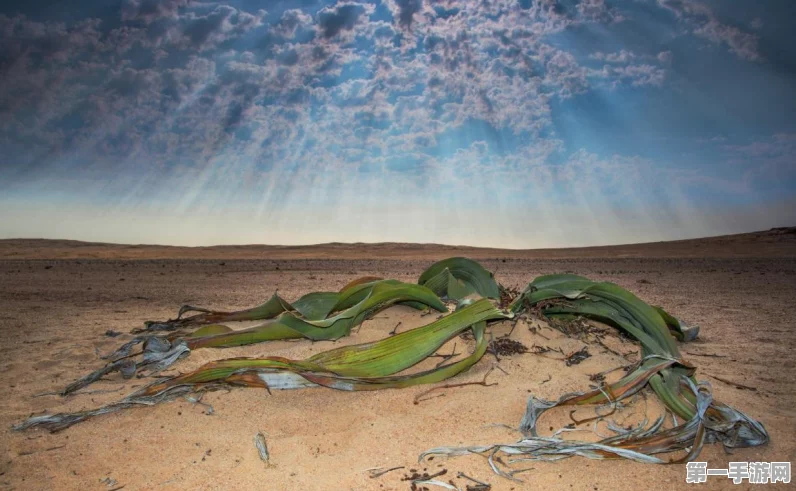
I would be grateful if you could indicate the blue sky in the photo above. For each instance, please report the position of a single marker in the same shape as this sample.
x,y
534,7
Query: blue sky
x,y
508,123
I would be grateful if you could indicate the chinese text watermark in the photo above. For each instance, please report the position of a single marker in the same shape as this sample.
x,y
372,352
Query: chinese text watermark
x,y
752,472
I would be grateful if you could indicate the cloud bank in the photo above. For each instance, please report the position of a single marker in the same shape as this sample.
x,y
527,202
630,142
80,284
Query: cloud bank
x,y
529,123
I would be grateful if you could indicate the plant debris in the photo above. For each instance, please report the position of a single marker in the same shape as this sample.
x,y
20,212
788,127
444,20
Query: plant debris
x,y
507,295
576,357
507,347
543,350
568,296
262,447
425,476
478,486
597,377
575,327
109,482
380,471
734,384
419,397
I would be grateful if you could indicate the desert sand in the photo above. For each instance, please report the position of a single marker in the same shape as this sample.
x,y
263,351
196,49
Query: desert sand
x,y
60,297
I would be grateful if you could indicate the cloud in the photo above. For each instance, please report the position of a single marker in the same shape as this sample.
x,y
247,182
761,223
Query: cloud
x,y
741,43
291,21
636,75
564,73
405,12
626,67
767,158
148,11
598,11
409,101
193,105
221,24
52,41
622,56
342,18
704,23
665,57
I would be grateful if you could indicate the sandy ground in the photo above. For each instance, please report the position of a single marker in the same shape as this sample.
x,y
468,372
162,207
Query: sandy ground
x,y
55,313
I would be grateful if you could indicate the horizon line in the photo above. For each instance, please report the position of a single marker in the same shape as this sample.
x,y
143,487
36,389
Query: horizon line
x,y
436,244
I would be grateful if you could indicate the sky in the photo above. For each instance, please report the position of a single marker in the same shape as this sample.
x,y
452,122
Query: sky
x,y
503,123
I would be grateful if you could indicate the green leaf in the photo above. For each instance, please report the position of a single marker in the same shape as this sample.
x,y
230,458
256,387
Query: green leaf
x,y
441,278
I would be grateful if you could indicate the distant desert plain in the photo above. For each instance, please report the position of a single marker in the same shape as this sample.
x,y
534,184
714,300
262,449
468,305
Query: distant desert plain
x,y
59,298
